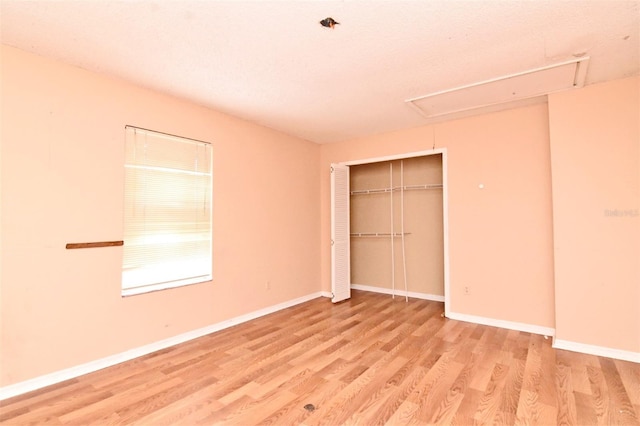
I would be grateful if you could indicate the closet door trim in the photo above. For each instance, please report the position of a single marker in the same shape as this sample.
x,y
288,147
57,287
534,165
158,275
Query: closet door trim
x,y
445,206
340,238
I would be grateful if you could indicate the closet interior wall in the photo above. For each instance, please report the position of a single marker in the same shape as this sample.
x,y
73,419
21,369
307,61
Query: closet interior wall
x,y
376,208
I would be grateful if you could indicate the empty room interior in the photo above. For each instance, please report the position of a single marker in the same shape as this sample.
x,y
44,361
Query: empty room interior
x,y
320,212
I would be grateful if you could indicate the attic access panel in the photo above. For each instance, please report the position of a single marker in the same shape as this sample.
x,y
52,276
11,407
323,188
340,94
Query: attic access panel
x,y
503,90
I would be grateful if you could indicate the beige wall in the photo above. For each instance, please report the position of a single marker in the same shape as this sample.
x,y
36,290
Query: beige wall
x,y
595,151
573,264
501,236
62,135
62,181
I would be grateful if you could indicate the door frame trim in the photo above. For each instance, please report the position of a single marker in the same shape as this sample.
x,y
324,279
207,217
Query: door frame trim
x,y
445,205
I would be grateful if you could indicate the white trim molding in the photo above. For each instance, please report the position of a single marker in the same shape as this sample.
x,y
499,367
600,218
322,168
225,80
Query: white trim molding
x,y
401,293
89,367
596,350
445,207
511,325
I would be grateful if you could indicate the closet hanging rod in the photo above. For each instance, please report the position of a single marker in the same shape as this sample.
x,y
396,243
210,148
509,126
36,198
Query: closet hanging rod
x,y
426,186
371,191
377,234
397,188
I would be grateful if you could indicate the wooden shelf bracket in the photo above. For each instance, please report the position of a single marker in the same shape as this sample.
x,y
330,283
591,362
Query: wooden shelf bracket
x,y
70,246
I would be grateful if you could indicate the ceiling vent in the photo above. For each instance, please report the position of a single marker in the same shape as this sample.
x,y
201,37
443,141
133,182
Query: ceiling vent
x,y
503,92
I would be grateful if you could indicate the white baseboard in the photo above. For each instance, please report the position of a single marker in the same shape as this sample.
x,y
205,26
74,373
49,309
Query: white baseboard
x,y
596,350
510,325
326,294
401,293
99,364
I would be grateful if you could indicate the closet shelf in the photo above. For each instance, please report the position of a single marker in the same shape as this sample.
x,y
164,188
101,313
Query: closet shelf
x,y
378,234
397,188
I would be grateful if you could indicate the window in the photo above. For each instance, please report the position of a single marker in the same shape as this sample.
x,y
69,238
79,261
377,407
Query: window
x,y
167,212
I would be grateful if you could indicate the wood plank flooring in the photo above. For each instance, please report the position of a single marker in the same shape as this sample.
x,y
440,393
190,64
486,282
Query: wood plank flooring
x,y
369,360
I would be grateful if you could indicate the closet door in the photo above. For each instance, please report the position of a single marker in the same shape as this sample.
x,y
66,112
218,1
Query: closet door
x,y
340,253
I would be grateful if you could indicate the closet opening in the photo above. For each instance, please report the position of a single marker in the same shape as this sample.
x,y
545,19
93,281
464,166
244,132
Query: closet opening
x,y
389,226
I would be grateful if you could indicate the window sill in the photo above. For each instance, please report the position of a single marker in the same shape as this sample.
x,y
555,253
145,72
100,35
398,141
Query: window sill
x,y
164,286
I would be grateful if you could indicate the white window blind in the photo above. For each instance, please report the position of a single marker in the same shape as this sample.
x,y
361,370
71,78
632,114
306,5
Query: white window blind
x,y
167,217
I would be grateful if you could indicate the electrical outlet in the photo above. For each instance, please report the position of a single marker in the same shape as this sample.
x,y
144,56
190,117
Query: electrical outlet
x,y
267,285
467,290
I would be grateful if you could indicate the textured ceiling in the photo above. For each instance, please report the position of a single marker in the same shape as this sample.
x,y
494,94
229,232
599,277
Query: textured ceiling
x,y
272,63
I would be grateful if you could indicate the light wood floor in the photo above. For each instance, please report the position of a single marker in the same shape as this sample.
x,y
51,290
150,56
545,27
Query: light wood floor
x,y
369,360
